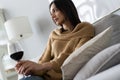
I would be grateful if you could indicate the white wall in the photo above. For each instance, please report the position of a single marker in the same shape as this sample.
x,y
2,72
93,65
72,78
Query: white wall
x,y
41,23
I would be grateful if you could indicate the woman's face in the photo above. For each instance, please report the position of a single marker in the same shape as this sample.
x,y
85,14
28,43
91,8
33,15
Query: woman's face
x,y
57,16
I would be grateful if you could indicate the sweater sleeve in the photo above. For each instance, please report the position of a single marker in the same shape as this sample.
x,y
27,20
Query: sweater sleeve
x,y
46,56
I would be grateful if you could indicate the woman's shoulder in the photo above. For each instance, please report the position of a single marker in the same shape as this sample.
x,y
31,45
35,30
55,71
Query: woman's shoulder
x,y
85,24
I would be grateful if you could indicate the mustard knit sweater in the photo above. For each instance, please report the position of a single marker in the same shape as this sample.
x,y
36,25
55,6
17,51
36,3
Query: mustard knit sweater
x,y
60,45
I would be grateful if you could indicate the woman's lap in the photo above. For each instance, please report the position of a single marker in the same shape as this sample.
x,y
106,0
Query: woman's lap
x,y
32,78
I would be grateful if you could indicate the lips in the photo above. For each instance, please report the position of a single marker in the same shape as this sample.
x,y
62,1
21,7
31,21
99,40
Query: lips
x,y
55,19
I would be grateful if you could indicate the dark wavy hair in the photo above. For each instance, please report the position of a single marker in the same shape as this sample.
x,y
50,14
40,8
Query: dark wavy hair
x,y
69,10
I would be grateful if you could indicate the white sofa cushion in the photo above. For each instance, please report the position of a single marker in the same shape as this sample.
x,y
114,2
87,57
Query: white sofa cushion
x,y
111,19
82,55
113,60
100,62
110,74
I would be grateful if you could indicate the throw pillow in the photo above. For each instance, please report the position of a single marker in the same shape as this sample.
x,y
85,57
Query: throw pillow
x,y
82,55
100,62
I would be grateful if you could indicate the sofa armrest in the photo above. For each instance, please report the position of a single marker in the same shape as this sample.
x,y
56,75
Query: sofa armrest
x,y
110,74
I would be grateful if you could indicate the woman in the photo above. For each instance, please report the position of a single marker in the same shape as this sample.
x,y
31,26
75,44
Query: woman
x,y
62,42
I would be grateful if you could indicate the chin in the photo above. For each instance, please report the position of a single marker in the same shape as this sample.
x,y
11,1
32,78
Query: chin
x,y
58,23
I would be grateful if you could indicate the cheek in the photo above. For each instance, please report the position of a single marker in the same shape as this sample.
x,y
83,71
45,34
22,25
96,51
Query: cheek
x,y
62,19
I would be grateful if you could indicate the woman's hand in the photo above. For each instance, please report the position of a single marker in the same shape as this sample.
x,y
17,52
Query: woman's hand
x,y
28,67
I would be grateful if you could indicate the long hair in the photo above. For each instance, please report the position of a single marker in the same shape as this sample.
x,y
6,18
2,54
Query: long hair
x,y
69,10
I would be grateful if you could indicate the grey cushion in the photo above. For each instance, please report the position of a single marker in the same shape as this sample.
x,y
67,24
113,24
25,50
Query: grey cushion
x,y
109,74
111,61
100,62
113,20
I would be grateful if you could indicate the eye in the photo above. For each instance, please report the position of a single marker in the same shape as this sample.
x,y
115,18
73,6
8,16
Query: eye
x,y
54,11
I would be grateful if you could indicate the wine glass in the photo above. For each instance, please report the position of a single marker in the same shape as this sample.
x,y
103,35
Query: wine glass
x,y
15,51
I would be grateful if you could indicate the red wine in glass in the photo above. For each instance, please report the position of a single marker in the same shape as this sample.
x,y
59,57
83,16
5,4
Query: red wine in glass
x,y
15,51
17,55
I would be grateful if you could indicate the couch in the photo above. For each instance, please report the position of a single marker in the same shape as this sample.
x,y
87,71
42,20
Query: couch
x,y
99,58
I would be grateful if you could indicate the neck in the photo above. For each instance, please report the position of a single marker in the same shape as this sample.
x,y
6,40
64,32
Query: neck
x,y
67,26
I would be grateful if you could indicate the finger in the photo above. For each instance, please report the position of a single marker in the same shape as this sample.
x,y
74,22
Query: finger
x,y
25,67
22,69
19,63
28,71
18,67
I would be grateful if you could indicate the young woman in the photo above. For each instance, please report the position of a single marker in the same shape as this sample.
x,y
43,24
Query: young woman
x,y
71,34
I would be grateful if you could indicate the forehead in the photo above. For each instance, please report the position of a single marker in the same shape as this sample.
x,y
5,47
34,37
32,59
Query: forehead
x,y
53,6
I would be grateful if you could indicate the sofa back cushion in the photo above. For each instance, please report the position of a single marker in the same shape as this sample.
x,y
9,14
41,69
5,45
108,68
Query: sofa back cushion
x,y
113,20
